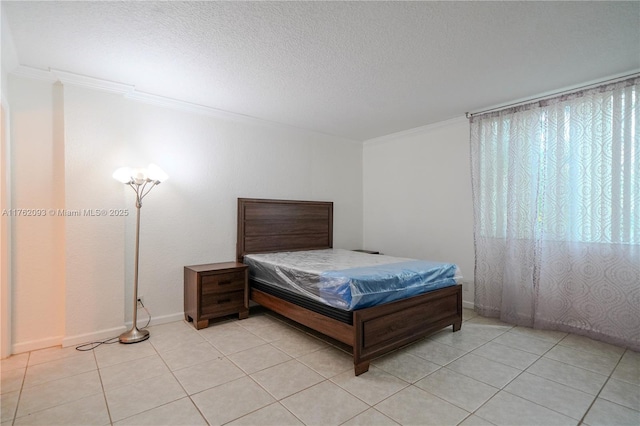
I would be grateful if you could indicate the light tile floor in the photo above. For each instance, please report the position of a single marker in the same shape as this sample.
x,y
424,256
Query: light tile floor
x,y
265,370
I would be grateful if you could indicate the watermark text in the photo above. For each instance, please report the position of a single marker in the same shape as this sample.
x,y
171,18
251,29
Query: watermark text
x,y
64,212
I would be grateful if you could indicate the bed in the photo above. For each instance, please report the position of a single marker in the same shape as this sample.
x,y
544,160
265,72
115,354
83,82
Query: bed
x,y
275,226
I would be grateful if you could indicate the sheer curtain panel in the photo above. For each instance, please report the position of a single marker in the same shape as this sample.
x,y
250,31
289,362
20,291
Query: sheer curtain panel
x,y
556,192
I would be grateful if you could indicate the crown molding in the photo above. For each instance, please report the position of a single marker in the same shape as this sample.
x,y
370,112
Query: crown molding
x,y
34,73
71,79
165,102
130,92
91,82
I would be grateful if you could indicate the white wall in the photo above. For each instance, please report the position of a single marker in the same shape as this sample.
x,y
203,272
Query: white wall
x,y
94,279
5,236
417,196
189,219
37,241
8,61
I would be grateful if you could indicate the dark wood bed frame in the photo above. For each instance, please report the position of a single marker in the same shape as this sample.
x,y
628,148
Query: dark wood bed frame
x,y
281,225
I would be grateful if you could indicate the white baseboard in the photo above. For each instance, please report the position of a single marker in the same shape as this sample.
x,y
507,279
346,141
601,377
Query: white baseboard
x,y
164,319
468,305
33,345
156,320
96,336
115,332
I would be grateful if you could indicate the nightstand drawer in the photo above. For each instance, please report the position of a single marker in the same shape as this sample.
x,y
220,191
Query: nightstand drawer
x,y
217,303
217,283
215,290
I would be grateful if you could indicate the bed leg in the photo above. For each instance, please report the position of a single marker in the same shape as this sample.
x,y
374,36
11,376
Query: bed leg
x,y
457,326
361,367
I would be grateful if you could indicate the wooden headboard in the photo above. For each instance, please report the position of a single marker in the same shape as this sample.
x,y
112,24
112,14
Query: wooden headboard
x,y
283,225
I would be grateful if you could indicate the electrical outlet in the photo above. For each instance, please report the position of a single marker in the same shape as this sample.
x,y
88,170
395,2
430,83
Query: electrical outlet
x,y
140,301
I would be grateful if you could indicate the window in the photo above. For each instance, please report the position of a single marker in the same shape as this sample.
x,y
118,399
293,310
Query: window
x,y
556,191
571,166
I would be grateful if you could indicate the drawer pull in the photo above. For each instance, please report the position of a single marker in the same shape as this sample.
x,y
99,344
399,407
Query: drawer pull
x,y
223,301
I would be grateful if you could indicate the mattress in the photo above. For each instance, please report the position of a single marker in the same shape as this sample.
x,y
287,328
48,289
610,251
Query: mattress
x,y
349,280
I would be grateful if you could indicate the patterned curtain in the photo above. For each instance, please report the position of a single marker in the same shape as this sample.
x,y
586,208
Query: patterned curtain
x,y
556,192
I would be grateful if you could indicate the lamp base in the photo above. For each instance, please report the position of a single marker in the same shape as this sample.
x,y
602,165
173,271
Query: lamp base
x,y
134,336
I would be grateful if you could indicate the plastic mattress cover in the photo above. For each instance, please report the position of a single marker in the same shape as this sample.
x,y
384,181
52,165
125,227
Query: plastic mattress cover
x,y
350,280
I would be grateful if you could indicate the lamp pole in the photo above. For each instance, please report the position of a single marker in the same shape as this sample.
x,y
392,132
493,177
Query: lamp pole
x,y
142,182
134,335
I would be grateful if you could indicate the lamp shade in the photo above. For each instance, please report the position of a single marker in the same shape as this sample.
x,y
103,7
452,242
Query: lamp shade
x,y
156,174
140,175
123,174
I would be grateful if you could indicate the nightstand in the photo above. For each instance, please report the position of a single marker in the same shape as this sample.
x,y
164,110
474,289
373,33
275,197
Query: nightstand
x,y
214,290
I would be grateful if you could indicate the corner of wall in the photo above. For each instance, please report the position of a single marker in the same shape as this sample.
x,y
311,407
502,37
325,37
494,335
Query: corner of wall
x,y
431,216
58,196
5,233
8,61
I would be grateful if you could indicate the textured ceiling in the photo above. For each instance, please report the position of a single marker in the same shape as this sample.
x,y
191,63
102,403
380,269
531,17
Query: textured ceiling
x,y
354,69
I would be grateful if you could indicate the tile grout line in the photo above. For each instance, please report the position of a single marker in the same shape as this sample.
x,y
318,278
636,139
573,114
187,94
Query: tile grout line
x,y
325,379
276,401
473,413
502,389
578,367
581,421
24,378
540,357
369,406
226,356
104,393
179,382
133,360
210,343
22,386
443,367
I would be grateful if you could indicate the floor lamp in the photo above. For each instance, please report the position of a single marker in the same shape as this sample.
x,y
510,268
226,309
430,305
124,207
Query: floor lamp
x,y
142,182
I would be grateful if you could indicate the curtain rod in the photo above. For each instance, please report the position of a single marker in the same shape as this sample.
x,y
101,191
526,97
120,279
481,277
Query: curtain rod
x,y
554,94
